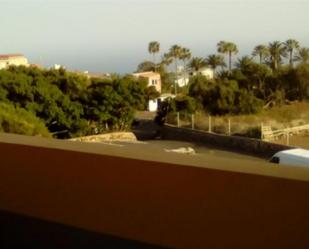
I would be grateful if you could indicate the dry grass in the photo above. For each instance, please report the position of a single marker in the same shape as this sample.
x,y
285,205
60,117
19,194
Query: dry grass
x,y
278,118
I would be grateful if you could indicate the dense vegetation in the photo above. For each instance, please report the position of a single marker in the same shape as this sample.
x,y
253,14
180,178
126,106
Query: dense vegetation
x,y
279,75
64,104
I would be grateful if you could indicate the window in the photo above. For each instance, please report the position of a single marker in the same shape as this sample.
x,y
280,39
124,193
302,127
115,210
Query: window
x,y
154,82
275,159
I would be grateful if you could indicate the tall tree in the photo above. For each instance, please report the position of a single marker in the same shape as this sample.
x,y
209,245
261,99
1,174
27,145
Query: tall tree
x,y
215,61
276,51
153,48
146,66
197,63
244,62
167,78
290,46
166,59
302,55
262,51
228,48
185,54
175,54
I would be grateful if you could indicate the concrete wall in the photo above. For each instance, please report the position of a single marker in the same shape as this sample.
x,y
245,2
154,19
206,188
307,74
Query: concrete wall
x,y
159,203
107,137
242,144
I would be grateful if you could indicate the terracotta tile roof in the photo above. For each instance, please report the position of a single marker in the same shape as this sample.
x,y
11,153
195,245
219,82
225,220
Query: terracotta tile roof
x,y
8,56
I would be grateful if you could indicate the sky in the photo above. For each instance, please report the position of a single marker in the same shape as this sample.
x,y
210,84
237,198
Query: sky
x,y
113,35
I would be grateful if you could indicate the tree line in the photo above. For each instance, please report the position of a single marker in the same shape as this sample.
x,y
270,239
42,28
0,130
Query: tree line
x,y
274,74
272,55
63,104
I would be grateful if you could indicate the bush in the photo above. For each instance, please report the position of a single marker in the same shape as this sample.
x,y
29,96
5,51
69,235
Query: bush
x,y
247,103
253,132
18,120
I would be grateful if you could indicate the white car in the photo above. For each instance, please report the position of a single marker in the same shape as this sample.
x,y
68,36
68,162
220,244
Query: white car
x,y
293,157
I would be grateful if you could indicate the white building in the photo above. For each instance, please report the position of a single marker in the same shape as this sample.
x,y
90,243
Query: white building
x,y
206,71
7,60
182,80
184,77
58,67
165,96
154,79
153,105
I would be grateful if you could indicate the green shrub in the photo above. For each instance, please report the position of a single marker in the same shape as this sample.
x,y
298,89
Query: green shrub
x,y
18,120
253,132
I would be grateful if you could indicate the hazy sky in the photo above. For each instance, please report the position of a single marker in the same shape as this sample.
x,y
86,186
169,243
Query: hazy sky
x,y
113,35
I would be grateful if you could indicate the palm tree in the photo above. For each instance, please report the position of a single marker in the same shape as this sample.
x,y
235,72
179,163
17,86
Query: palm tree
x,y
244,63
262,51
290,45
175,53
227,48
215,61
153,48
197,63
185,55
276,51
166,59
302,55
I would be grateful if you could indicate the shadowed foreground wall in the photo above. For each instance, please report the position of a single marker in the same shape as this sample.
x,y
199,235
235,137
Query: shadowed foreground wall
x,y
152,202
22,232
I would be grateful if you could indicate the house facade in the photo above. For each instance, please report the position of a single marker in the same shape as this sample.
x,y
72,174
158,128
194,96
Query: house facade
x,y
13,60
154,79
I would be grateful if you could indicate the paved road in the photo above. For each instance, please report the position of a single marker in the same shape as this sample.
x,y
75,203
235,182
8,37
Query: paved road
x,y
204,156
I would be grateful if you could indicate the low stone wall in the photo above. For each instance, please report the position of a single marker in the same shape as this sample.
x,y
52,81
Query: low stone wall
x,y
241,144
108,137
